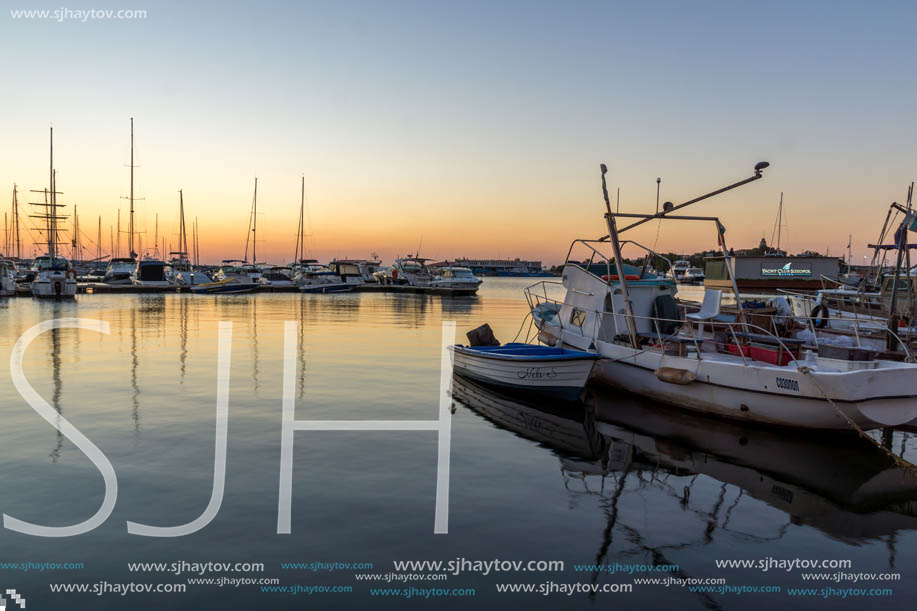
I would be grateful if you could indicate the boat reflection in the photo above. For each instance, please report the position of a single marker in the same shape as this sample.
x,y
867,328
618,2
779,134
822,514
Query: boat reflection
x,y
841,485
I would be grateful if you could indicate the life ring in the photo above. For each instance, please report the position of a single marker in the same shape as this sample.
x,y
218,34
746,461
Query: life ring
x,y
394,274
820,323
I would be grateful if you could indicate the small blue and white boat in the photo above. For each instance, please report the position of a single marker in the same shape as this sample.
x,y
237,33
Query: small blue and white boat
x,y
559,372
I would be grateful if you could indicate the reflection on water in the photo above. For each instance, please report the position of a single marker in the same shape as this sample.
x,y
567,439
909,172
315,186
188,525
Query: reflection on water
x,y
613,480
841,485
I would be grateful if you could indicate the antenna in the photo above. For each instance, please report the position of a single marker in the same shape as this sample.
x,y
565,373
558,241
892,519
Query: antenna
x,y
658,182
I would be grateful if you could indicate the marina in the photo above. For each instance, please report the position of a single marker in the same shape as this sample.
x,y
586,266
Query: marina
x,y
491,305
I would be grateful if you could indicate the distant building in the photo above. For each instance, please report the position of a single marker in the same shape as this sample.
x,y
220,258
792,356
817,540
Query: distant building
x,y
502,267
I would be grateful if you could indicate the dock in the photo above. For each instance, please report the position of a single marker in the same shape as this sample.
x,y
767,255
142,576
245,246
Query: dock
x,y
95,288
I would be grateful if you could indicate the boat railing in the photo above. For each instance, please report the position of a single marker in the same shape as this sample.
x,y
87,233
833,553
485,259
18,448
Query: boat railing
x,y
739,333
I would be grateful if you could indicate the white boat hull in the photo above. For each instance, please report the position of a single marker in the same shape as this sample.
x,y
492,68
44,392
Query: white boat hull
x,y
562,377
778,395
54,286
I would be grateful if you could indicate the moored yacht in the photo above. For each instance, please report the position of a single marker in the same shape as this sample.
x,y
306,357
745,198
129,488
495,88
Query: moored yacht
x,y
150,272
228,279
119,271
678,270
451,277
7,278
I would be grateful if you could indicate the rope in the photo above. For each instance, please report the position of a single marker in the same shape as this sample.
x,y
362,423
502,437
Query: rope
x,y
902,464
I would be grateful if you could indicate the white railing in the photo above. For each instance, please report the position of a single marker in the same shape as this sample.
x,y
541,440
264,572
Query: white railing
x,y
733,331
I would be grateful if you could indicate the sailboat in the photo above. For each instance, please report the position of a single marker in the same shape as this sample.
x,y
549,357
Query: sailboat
x,y
181,271
54,276
120,270
252,269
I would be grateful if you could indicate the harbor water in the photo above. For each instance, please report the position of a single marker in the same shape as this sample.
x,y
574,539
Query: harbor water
x,y
616,480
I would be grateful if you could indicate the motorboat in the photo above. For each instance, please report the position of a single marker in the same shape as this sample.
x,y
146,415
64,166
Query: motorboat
x,y
693,275
348,272
152,273
277,276
707,360
678,269
451,277
409,270
119,271
7,278
558,372
314,278
228,279
367,267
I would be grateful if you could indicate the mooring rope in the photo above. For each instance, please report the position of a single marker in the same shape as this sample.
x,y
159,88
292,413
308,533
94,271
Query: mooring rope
x,y
906,466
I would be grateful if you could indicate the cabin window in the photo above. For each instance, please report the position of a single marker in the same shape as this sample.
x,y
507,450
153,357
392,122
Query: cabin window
x,y
578,318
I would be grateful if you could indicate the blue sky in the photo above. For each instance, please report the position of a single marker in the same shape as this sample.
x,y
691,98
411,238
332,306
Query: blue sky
x,y
453,122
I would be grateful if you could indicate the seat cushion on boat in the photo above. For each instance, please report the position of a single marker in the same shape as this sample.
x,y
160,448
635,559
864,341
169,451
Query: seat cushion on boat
x,y
665,308
482,336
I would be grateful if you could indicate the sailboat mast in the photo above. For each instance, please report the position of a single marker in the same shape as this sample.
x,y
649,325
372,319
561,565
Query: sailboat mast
x,y
302,219
99,241
52,228
130,226
17,239
182,233
255,224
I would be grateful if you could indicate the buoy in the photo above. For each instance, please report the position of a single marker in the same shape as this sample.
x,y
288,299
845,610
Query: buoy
x,y
675,376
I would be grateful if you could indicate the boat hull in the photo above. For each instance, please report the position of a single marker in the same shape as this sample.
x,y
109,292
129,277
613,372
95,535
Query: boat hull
x,y
54,288
219,288
560,378
327,288
768,394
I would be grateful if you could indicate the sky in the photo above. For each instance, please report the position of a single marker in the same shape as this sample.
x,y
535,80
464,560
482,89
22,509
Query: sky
x,y
464,129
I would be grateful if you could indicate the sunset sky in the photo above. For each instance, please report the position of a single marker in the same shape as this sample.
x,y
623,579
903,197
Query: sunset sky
x,y
472,129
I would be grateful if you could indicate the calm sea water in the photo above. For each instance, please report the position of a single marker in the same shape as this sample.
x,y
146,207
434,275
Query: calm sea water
x,y
617,480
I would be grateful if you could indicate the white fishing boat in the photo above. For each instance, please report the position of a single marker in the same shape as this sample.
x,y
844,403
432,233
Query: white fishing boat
x,y
532,368
704,360
52,275
451,277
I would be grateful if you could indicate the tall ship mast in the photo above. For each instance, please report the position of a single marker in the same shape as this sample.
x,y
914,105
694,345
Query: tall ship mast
x,y
53,275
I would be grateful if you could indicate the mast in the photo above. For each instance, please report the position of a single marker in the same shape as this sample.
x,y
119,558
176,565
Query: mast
x,y
15,238
118,252
99,241
301,232
619,262
156,237
252,225
52,222
130,229
182,233
255,224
